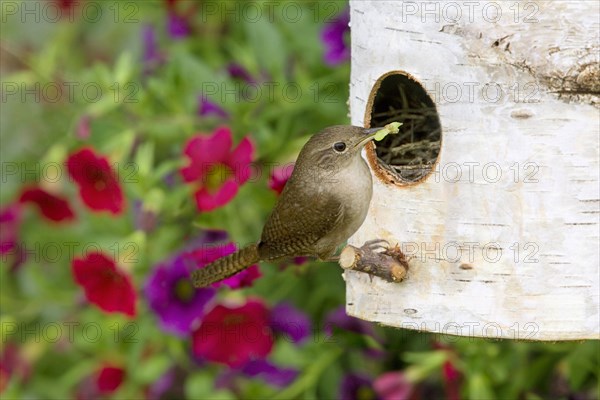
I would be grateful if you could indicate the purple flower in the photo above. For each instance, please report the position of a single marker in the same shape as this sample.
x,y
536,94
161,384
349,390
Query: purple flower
x,y
151,56
270,373
143,219
280,377
170,294
178,27
339,318
333,37
208,107
290,321
237,71
354,386
169,385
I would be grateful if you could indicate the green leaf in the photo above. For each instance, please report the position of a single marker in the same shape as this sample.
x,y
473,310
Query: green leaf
x,y
479,387
151,369
123,69
267,44
144,158
199,385
389,129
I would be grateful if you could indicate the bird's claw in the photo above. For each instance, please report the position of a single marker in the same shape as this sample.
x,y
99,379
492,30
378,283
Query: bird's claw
x,y
376,244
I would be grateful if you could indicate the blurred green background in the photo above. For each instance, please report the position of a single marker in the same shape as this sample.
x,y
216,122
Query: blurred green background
x,y
130,78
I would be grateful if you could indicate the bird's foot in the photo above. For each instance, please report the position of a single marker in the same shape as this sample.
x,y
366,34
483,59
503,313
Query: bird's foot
x,y
375,245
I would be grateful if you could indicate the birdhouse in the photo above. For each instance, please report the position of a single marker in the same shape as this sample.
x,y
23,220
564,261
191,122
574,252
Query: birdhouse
x,y
491,187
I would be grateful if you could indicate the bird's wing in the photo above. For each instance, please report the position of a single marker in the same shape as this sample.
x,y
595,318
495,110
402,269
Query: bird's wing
x,y
296,225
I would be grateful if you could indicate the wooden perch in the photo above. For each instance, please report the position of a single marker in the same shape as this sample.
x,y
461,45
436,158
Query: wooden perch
x,y
390,265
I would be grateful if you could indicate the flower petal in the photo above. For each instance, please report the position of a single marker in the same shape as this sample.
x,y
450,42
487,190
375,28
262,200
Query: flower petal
x,y
104,285
109,379
207,201
240,159
234,335
98,185
276,376
290,321
205,151
52,207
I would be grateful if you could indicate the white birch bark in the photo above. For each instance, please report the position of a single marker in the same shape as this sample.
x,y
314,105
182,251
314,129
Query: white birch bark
x,y
516,85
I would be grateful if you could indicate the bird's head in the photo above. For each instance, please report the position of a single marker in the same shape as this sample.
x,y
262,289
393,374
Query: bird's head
x,y
335,146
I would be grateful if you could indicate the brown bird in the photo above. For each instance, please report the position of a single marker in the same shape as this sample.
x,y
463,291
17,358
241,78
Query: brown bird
x,y
323,203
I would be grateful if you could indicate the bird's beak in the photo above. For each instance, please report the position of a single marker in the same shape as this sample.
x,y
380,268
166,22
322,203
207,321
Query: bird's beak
x,y
370,133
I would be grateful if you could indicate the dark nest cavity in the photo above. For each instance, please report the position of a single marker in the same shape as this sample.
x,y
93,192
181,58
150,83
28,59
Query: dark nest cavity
x,y
411,154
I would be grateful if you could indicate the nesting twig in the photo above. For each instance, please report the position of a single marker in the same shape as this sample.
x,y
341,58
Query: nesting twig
x,y
390,265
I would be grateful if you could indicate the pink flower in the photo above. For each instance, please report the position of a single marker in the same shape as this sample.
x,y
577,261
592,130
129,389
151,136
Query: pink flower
x,y
52,207
84,130
217,170
279,177
234,335
393,386
105,285
98,185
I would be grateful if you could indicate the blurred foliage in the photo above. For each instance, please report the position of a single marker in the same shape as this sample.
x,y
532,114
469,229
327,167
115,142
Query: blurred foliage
x,y
141,121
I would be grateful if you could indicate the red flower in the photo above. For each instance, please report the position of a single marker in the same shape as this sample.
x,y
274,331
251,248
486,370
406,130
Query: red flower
x,y
234,336
109,379
218,171
52,207
105,285
98,185
279,177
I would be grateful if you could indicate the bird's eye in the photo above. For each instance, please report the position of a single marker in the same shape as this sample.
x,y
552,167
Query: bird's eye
x,y
339,147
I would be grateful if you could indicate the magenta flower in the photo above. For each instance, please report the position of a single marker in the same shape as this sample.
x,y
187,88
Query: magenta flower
x,y
216,169
207,108
279,177
234,335
334,38
10,220
393,386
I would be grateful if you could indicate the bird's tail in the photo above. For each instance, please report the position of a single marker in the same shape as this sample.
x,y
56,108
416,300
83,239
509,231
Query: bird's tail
x,y
226,266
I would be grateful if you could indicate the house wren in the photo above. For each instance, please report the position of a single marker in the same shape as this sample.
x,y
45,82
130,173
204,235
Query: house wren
x,y
323,203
